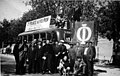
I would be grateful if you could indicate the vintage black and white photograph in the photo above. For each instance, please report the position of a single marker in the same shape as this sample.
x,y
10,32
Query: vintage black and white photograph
x,y
59,37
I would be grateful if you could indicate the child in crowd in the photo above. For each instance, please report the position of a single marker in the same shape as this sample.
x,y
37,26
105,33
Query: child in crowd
x,y
64,65
79,66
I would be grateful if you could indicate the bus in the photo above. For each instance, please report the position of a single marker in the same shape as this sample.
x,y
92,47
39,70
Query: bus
x,y
41,29
53,34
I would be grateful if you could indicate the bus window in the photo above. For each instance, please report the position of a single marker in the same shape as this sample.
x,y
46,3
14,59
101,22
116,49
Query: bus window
x,y
49,36
54,36
67,36
36,36
43,36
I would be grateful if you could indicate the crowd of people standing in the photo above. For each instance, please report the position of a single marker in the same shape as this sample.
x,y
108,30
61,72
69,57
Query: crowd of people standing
x,y
44,56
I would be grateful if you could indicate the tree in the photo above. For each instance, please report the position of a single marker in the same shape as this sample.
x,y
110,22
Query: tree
x,y
104,13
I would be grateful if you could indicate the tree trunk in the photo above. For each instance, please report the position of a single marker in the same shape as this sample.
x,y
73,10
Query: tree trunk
x,y
116,53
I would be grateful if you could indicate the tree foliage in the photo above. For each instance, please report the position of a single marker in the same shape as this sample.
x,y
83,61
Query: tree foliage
x,y
104,13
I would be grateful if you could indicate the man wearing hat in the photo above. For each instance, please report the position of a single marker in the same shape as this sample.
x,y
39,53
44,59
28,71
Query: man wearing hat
x,y
63,49
47,57
32,56
56,49
16,55
23,57
38,56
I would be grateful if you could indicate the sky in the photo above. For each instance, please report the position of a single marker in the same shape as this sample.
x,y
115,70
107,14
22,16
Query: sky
x,y
12,9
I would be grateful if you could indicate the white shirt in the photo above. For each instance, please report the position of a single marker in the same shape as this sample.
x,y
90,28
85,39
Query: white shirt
x,y
85,52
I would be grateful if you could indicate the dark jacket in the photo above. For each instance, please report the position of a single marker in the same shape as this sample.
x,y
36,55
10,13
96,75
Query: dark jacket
x,y
89,53
16,49
94,51
48,49
31,53
56,49
39,52
63,51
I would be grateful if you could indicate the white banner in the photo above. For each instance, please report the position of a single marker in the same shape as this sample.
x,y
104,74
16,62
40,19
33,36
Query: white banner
x,y
38,23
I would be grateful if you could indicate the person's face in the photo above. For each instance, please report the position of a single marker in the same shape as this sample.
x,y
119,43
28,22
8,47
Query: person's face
x,y
39,43
43,44
60,43
56,43
47,41
90,44
77,44
79,59
32,43
65,58
71,46
87,44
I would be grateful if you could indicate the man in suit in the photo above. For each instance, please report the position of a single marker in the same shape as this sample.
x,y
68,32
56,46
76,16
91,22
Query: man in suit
x,y
48,57
16,55
39,53
93,55
56,49
88,58
31,57
23,57
63,49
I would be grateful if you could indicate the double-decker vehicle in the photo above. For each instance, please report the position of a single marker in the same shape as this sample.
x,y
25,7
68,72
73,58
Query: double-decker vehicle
x,y
41,29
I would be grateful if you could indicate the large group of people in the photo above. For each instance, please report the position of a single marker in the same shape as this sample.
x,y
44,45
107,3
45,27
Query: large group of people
x,y
51,57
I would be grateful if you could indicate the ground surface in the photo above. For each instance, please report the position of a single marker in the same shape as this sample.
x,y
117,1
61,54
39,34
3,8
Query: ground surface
x,y
8,68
